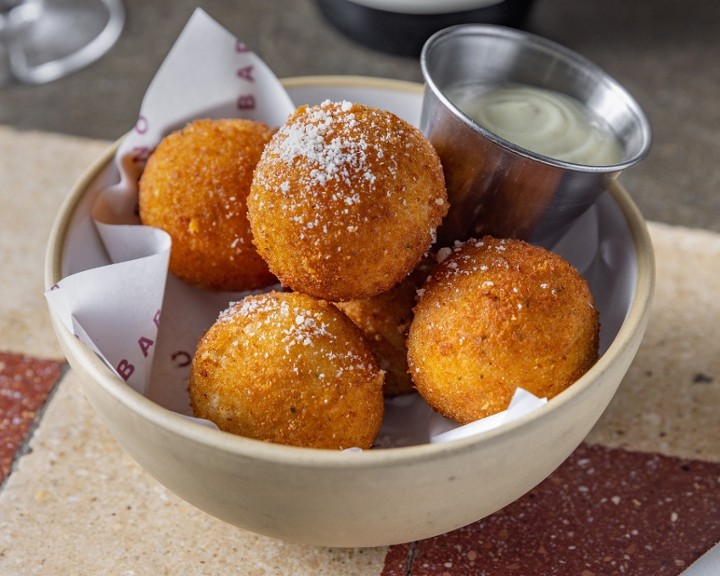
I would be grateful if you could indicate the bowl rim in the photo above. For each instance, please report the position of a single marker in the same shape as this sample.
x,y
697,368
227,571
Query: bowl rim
x,y
175,423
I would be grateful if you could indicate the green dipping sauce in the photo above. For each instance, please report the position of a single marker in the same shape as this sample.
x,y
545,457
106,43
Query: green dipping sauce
x,y
543,121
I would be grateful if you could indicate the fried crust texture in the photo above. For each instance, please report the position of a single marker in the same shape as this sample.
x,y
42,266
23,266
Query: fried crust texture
x,y
346,200
290,369
195,187
496,315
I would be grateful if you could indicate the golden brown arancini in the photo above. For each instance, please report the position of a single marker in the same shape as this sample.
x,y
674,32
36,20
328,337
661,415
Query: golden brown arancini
x,y
346,200
195,187
290,369
384,320
496,315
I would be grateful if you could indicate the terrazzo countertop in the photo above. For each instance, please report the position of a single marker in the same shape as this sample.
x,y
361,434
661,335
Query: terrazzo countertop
x,y
640,496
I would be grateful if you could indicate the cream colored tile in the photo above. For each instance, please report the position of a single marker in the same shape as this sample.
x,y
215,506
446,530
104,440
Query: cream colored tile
x,y
36,171
669,399
77,504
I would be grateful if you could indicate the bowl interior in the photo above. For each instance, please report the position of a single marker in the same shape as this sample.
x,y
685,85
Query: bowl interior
x,y
600,244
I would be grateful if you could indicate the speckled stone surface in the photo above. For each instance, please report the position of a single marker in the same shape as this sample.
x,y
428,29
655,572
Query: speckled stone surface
x,y
36,171
25,383
94,511
604,512
669,399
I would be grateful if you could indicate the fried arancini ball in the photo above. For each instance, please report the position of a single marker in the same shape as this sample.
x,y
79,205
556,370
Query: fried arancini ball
x,y
195,187
290,369
496,315
346,200
384,320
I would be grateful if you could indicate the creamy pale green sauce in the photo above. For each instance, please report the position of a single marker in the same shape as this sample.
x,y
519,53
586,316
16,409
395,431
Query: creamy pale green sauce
x,y
543,121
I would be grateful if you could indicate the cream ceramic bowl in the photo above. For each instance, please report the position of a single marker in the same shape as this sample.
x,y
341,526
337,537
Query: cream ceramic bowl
x,y
382,496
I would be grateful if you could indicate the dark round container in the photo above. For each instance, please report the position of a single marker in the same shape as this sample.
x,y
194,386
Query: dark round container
x,y
405,33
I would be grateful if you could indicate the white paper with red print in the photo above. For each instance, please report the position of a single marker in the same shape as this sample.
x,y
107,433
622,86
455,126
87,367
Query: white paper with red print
x,y
142,321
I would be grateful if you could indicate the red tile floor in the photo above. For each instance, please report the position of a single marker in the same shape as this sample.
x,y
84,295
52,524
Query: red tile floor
x,y
603,512
25,385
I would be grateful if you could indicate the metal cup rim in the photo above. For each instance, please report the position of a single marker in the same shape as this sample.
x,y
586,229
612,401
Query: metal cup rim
x,y
566,53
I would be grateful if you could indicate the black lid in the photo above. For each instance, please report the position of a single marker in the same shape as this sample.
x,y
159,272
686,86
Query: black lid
x,y
405,34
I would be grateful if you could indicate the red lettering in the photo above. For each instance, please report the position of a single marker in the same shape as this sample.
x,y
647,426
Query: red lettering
x,y
125,369
246,73
145,344
55,287
140,154
141,126
241,47
246,102
181,358
156,318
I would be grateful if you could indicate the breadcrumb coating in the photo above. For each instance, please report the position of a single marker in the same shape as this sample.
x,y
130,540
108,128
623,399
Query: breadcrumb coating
x,y
290,369
496,315
346,200
195,187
